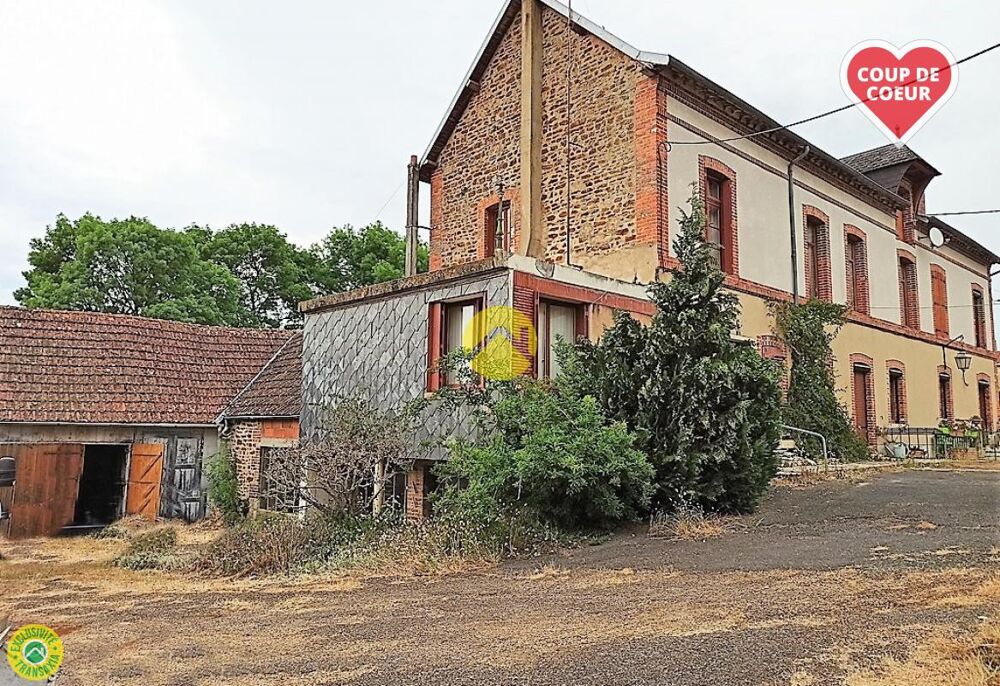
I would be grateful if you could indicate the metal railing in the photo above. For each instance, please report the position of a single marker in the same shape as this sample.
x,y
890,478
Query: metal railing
x,y
912,442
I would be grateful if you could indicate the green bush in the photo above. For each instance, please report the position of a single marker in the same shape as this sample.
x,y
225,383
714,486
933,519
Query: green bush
x,y
154,549
547,457
223,487
808,331
705,407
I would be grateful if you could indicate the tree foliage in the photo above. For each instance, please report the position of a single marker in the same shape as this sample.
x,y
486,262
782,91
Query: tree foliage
x,y
244,275
350,258
128,266
808,331
272,272
547,455
705,407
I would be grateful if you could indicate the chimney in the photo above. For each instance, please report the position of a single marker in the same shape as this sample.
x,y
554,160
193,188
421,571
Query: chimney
x,y
532,231
412,215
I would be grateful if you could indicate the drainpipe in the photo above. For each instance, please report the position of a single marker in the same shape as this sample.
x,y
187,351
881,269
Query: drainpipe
x,y
792,223
412,219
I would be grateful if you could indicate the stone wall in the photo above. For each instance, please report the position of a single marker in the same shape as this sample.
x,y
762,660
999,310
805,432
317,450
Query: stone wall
x,y
244,451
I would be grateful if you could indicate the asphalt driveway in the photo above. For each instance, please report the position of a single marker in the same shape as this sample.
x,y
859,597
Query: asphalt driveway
x,y
824,581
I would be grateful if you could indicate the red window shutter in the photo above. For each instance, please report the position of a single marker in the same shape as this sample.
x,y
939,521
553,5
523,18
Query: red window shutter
x,y
433,346
939,293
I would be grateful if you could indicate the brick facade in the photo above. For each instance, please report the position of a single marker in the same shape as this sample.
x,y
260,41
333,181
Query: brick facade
x,y
481,155
651,195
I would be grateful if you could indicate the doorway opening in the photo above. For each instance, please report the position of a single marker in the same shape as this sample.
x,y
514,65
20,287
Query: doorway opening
x,y
101,497
863,402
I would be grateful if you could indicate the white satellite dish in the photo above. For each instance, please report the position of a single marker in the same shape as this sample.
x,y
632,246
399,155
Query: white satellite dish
x,y
936,236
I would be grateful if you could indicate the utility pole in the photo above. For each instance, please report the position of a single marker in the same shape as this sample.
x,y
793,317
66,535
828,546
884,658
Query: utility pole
x,y
412,218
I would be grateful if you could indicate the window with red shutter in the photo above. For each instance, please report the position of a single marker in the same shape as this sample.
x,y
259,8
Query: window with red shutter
x,y
939,296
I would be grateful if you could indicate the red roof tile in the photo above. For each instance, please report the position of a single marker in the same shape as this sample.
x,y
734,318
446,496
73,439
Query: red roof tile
x,y
277,390
83,367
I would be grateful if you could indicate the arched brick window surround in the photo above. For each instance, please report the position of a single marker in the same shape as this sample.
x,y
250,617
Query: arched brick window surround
x,y
773,348
909,293
857,267
939,299
949,400
862,360
824,279
730,234
991,399
512,196
979,317
898,369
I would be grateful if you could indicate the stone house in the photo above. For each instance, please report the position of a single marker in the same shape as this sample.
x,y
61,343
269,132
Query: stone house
x,y
556,179
106,415
264,416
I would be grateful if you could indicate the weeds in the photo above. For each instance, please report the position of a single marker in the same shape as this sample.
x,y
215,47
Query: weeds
x,y
689,524
153,549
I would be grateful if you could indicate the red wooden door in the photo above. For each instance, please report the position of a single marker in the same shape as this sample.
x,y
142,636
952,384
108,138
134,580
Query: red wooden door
x,y
144,473
46,486
861,401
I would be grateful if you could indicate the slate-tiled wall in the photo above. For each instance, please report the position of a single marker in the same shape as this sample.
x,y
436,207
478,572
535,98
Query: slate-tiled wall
x,y
379,348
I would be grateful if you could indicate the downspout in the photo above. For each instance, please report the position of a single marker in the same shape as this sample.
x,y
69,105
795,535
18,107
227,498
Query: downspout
x,y
412,219
792,223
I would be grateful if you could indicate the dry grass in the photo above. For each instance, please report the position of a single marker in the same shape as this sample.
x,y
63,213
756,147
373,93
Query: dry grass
x,y
944,660
813,476
691,526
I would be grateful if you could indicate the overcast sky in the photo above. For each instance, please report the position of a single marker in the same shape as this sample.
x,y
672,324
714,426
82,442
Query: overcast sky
x,y
303,114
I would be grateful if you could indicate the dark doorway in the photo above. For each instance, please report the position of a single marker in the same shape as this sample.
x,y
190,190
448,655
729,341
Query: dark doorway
x,y
102,485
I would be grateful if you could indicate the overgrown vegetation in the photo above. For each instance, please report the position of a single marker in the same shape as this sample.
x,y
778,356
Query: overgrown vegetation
x,y
705,407
154,549
543,455
808,331
223,487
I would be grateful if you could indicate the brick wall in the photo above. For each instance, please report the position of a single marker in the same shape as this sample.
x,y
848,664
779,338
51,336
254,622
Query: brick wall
x,y
484,148
603,158
617,115
244,449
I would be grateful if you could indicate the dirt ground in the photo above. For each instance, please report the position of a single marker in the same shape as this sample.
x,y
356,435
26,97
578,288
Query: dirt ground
x,y
838,582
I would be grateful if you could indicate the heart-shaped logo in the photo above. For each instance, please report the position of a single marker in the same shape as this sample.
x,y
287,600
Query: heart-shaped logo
x,y
899,89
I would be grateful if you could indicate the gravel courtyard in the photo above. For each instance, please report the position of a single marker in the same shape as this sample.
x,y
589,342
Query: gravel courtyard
x,y
836,582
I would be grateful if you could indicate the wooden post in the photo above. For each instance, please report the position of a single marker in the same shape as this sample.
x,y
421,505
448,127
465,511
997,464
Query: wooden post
x,y
532,241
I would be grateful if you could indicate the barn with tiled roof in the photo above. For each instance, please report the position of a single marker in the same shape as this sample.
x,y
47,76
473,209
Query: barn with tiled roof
x,y
103,415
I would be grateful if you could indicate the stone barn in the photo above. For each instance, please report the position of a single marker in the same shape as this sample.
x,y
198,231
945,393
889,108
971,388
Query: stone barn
x,y
106,415
264,416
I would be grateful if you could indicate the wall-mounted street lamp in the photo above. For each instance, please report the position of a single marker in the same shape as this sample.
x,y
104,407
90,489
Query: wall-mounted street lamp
x,y
963,360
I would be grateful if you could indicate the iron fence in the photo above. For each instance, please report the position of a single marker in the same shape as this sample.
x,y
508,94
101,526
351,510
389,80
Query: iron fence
x,y
910,442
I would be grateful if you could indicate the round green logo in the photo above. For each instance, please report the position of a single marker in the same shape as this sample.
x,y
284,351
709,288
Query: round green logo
x,y
34,652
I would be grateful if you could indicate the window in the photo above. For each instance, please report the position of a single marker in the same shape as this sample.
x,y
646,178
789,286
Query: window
x,y
497,230
944,395
556,321
857,273
985,404
897,397
939,298
979,316
277,491
810,257
908,301
456,319
714,230
718,191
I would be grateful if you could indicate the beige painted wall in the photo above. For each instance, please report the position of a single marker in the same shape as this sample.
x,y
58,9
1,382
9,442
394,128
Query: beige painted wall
x,y
762,218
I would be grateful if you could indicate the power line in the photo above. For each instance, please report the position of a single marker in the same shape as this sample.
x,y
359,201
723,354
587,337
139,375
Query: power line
x,y
824,114
386,203
955,214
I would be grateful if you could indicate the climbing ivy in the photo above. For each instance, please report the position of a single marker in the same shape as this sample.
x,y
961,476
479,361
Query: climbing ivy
x,y
808,331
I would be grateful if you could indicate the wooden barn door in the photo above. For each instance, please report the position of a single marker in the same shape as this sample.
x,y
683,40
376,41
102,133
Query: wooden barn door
x,y
46,486
144,473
